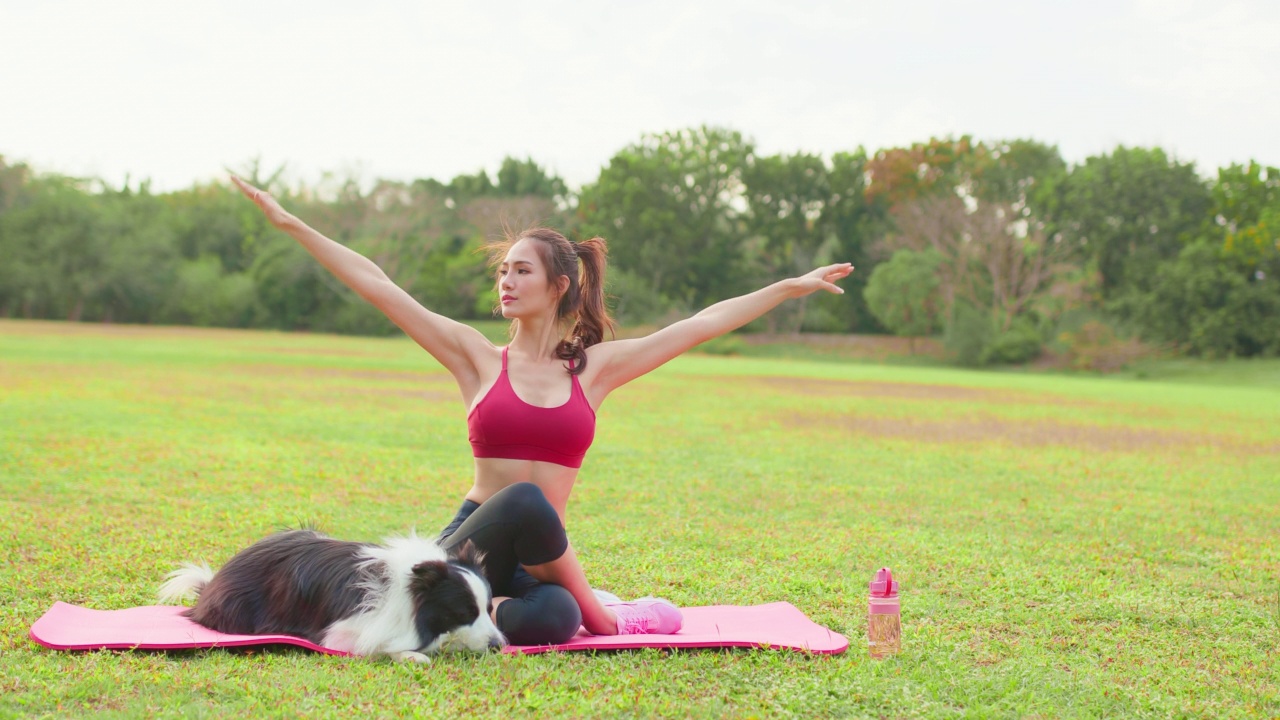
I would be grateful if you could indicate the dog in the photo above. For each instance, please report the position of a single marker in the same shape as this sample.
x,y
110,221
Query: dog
x,y
406,598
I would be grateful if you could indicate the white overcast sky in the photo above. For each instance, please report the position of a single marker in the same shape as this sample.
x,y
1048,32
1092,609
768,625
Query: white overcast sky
x,y
176,90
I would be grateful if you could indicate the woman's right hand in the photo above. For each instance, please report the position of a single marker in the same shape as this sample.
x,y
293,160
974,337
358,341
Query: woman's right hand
x,y
824,278
276,215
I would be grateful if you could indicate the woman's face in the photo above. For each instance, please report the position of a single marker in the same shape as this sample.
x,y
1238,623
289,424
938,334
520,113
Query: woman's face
x,y
523,286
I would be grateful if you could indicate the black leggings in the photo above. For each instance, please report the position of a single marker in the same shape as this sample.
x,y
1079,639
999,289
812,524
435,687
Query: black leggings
x,y
517,527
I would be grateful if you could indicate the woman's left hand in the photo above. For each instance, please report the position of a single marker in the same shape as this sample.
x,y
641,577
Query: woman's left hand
x,y
824,278
276,215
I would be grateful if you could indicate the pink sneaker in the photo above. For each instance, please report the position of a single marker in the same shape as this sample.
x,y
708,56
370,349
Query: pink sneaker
x,y
647,617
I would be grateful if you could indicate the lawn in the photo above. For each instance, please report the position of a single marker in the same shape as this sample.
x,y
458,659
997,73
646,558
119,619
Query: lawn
x,y
1067,546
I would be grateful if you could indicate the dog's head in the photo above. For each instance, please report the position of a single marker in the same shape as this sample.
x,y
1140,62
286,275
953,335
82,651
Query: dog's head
x,y
451,603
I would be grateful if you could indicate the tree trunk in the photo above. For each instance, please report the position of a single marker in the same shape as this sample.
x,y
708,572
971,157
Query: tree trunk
x,y
802,306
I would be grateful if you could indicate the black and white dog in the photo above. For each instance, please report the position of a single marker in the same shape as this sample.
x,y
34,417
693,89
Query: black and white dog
x,y
406,598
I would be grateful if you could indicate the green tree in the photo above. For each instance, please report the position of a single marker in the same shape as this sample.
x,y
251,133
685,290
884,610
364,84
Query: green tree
x,y
904,293
465,187
134,230
1221,295
210,221
856,221
523,178
16,271
671,208
13,183
1246,202
288,283
1023,173
786,196
1207,303
55,254
1242,194
1128,210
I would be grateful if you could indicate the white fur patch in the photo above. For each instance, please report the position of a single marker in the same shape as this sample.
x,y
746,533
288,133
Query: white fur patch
x,y
185,583
384,624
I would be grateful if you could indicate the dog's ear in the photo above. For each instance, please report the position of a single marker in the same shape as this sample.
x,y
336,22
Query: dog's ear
x,y
430,572
468,554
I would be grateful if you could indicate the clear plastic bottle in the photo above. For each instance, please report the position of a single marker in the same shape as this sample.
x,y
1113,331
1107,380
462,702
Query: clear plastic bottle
x,y
884,616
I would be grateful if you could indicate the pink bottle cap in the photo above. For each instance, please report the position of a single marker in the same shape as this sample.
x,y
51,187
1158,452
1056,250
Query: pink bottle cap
x,y
884,585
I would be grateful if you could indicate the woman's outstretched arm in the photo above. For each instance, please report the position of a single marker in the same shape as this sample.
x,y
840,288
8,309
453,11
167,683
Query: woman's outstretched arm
x,y
622,361
452,343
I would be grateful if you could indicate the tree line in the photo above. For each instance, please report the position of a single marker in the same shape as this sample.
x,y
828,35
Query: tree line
x,y
1000,247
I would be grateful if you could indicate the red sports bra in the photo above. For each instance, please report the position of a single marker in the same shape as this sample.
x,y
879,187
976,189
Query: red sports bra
x,y
504,426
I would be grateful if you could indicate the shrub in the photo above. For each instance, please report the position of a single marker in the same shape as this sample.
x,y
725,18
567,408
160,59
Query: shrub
x,y
1020,343
968,335
723,345
1096,346
205,296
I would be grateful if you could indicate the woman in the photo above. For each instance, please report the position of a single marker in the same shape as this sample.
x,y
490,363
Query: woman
x,y
532,409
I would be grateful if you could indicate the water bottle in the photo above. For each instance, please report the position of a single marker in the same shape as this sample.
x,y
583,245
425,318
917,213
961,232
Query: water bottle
x,y
884,616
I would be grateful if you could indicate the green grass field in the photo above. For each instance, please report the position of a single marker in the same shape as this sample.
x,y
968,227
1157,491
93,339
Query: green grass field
x,y
1067,546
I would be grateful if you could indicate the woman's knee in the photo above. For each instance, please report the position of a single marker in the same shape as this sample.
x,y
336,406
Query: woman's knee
x,y
542,532
524,498
545,615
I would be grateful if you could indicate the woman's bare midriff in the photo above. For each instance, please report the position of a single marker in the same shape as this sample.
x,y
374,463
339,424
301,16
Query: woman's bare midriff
x,y
494,474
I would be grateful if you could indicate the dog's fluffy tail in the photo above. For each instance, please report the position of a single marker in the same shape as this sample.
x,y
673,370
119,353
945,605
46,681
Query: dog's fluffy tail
x,y
185,583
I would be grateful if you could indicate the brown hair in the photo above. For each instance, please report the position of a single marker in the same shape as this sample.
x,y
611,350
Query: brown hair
x,y
583,302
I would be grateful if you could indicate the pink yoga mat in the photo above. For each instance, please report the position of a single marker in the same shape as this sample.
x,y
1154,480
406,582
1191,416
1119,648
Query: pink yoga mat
x,y
153,627
776,625
161,627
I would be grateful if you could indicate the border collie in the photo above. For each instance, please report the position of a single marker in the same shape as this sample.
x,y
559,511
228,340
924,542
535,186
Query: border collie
x,y
406,598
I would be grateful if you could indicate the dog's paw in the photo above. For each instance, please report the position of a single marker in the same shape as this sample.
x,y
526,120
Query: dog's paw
x,y
411,656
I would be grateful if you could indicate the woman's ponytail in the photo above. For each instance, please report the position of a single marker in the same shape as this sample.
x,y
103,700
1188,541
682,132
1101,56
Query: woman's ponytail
x,y
592,314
